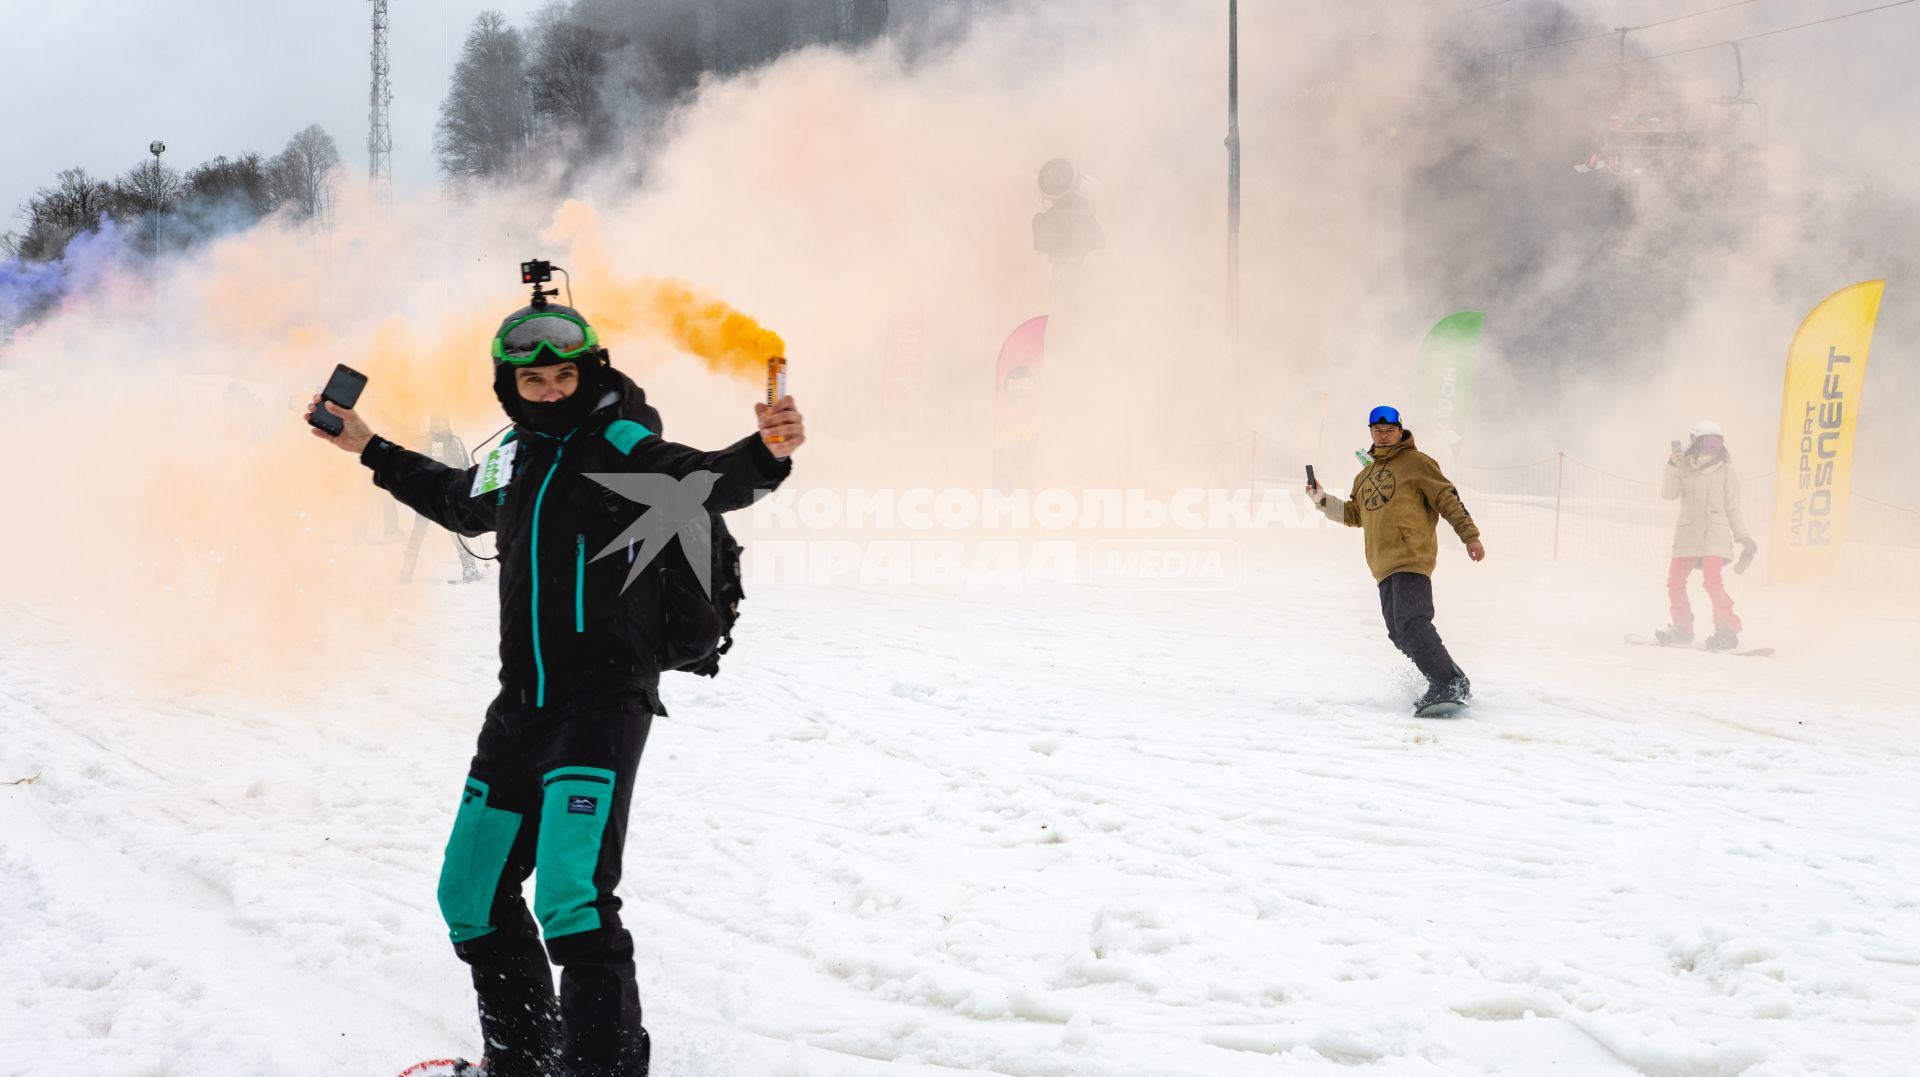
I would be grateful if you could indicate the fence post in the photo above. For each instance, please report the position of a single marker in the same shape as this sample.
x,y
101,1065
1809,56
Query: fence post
x,y
1559,481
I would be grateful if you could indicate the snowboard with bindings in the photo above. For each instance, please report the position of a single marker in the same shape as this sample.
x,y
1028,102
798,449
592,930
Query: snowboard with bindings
x,y
1440,708
1649,641
445,1067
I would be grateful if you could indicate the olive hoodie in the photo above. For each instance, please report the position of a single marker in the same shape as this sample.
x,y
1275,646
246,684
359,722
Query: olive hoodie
x,y
1397,503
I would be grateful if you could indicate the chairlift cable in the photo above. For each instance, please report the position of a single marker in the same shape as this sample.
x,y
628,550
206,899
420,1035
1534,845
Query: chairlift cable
x,y
1701,48
1612,33
1781,30
1547,45
1695,15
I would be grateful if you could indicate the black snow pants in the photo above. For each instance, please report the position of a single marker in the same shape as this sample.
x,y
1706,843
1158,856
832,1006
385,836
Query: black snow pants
x,y
548,791
1406,602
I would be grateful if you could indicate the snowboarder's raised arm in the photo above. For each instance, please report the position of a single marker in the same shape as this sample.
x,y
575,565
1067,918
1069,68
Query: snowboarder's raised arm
x,y
440,493
744,469
423,484
1670,479
1340,512
755,464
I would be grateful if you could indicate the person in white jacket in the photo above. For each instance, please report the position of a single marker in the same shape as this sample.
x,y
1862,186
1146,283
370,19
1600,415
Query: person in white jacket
x,y
1702,479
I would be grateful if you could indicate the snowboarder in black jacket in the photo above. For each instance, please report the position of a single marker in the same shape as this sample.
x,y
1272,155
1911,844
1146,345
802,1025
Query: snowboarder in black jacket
x,y
552,776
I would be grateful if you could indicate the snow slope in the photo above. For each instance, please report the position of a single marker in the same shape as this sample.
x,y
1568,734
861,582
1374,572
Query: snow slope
x,y
1085,831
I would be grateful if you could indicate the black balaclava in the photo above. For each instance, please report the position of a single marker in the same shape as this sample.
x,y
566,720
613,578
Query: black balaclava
x,y
561,417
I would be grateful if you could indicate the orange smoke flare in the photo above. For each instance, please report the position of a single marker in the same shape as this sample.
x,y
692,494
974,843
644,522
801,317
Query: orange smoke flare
x,y
729,341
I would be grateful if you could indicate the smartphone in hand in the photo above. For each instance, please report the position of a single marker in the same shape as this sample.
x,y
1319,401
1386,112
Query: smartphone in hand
x,y
344,390
1312,483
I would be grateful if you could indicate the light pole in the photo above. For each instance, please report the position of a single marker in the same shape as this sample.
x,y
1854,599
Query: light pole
x,y
156,148
1233,189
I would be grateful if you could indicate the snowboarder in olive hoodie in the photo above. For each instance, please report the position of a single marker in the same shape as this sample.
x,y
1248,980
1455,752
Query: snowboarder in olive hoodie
x,y
1397,501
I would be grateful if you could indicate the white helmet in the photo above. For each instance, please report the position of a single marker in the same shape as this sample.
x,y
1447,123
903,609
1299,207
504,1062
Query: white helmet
x,y
1705,428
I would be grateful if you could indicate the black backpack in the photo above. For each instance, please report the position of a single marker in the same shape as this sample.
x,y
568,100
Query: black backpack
x,y
694,627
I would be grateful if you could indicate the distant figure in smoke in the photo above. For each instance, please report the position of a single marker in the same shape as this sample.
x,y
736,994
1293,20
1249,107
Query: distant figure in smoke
x,y
445,446
1066,229
1702,478
1397,501
551,781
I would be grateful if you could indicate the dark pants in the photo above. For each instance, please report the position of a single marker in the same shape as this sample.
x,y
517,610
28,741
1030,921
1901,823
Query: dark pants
x,y
549,789
1406,602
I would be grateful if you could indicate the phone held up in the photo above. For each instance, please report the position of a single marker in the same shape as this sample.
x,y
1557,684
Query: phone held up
x,y
1312,483
343,388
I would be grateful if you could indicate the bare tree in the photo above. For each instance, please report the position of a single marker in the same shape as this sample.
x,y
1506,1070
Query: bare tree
x,y
659,49
303,172
569,63
241,186
141,199
486,120
148,187
75,203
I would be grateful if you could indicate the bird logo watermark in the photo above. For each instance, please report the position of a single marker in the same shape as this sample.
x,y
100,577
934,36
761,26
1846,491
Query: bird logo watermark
x,y
676,509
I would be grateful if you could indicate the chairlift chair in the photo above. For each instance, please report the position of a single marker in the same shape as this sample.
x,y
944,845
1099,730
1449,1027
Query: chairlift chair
x,y
1737,103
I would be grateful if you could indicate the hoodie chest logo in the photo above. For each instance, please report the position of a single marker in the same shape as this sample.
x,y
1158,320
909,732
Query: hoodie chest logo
x,y
1377,488
496,471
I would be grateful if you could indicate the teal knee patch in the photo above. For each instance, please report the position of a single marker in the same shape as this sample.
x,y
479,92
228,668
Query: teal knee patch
x,y
574,803
476,855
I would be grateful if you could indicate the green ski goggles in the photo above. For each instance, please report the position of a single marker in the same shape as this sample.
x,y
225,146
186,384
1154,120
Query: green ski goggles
x,y
562,336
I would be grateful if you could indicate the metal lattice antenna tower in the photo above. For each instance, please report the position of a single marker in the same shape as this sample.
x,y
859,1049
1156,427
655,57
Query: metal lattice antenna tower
x,y
379,100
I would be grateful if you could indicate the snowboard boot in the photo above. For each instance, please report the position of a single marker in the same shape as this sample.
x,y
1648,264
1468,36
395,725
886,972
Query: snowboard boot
x,y
1439,694
1722,640
1674,635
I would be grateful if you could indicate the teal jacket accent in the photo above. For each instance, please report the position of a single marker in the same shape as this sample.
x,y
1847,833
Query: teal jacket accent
x,y
570,624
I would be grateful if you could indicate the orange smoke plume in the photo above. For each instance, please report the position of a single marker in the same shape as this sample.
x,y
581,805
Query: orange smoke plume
x,y
729,341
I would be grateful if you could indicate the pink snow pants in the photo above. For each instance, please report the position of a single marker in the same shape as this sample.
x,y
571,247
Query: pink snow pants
x,y
1682,611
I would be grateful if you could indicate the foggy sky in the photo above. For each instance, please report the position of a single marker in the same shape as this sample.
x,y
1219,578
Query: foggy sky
x,y
103,79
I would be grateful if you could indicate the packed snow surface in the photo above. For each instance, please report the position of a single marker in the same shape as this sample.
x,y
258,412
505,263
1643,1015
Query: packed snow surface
x,y
1064,831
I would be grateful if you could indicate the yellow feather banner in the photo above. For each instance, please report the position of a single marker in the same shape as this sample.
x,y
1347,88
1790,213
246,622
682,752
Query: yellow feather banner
x,y
1826,369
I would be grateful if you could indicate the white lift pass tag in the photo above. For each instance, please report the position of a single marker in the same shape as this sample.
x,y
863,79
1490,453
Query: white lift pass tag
x,y
496,470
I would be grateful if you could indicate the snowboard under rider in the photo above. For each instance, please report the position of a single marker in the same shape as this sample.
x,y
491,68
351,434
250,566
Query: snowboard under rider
x,y
550,783
1397,501
1701,477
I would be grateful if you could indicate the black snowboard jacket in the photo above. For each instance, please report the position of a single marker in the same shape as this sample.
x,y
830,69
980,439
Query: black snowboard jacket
x,y
569,625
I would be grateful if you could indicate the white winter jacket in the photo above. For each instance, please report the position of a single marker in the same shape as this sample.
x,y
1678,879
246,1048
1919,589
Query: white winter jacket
x,y
1711,519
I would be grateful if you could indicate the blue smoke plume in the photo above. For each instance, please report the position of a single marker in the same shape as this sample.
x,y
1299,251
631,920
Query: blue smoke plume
x,y
29,289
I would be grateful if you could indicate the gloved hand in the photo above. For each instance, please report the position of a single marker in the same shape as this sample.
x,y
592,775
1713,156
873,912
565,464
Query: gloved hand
x,y
1748,547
